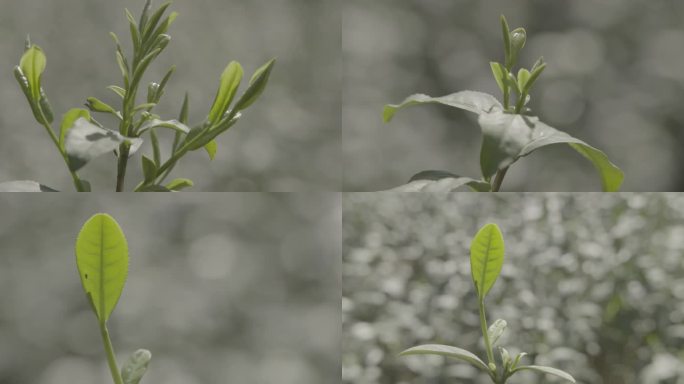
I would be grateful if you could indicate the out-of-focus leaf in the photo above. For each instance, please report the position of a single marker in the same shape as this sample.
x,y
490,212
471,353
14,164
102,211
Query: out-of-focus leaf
x,y
447,351
486,258
102,261
24,186
178,184
135,367
68,120
149,169
211,148
548,370
172,124
496,330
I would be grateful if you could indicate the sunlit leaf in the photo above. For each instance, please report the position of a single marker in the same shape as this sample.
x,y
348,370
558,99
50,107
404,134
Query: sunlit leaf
x,y
486,258
32,65
102,260
473,101
257,84
230,81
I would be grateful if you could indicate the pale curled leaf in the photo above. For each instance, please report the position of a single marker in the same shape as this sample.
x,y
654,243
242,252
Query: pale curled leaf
x,y
102,261
84,141
473,101
440,181
135,367
548,370
24,186
508,137
172,124
447,351
486,258
496,330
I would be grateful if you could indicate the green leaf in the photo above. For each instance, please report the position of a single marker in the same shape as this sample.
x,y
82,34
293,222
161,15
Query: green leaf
x,y
230,81
505,358
517,359
68,120
149,169
46,107
486,258
508,137
496,330
506,32
473,101
24,186
32,65
441,181
211,148
154,19
210,135
536,72
257,84
135,367
102,261
447,351
178,184
498,71
96,105
118,90
154,188
523,77
547,370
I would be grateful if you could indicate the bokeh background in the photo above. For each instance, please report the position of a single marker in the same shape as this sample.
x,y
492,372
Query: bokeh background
x,y
591,283
614,79
288,141
229,288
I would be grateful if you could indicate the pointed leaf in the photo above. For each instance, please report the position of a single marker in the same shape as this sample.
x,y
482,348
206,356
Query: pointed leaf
x,y
548,370
178,184
102,261
118,90
32,65
135,367
473,101
257,84
498,71
486,258
441,181
230,81
447,351
211,148
24,186
523,77
496,330
149,169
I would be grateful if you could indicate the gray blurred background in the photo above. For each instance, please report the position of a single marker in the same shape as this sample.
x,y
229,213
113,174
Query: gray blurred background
x,y
288,141
591,283
614,79
229,288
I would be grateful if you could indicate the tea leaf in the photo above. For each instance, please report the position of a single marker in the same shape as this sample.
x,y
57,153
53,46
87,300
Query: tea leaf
x,y
548,370
24,186
211,148
149,169
441,181
68,121
473,101
486,258
85,141
257,84
508,137
447,351
498,71
230,81
135,367
496,330
172,124
102,261
178,184
32,65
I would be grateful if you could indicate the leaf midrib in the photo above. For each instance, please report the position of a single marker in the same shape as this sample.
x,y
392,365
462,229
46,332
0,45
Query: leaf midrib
x,y
102,277
486,261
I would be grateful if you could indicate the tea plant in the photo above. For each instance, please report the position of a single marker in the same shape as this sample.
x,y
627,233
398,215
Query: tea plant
x,y
486,261
102,261
509,130
81,138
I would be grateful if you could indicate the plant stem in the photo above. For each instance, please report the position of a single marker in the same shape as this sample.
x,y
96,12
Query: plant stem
x,y
122,163
111,358
483,324
498,179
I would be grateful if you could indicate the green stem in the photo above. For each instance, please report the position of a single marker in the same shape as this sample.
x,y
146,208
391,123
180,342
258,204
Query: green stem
x,y
483,323
111,358
122,164
498,179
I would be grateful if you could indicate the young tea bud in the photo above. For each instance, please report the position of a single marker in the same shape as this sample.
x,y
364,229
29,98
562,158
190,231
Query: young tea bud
x,y
492,367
